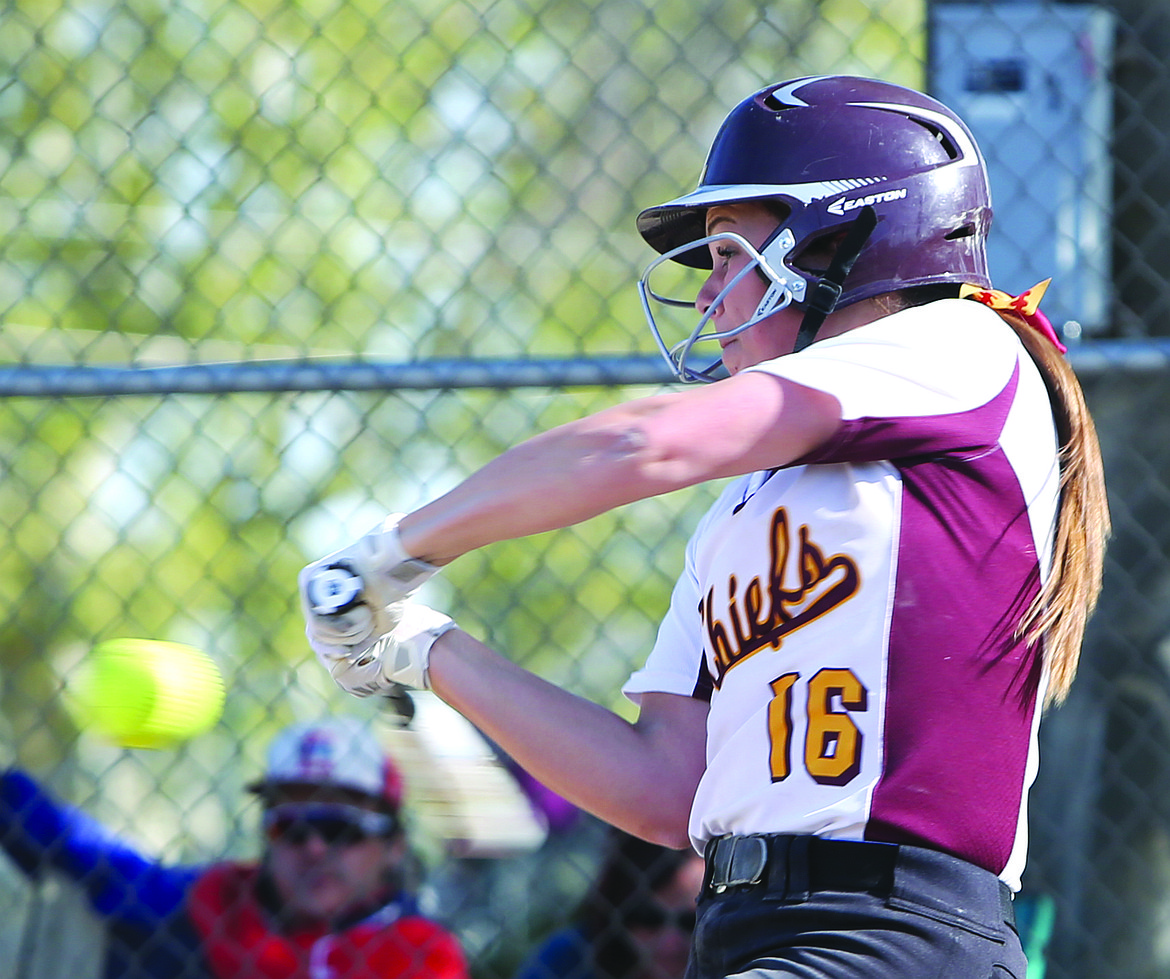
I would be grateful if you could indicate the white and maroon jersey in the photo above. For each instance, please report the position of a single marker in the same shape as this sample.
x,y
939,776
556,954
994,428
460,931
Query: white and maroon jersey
x,y
853,618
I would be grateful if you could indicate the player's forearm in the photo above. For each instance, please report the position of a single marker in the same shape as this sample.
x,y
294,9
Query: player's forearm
x,y
639,776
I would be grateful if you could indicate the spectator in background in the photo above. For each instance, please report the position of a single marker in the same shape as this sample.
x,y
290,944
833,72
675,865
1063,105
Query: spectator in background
x,y
634,923
326,900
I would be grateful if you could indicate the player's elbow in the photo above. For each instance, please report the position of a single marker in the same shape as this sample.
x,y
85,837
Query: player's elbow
x,y
676,838
638,450
662,814
663,829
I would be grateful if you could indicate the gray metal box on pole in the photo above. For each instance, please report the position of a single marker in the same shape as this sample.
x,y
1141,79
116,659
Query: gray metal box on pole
x,y
1032,80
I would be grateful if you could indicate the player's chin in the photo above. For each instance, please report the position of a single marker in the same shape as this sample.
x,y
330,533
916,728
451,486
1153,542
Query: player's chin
x,y
731,362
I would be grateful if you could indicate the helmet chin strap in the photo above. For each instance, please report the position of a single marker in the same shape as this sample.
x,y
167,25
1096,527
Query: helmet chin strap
x,y
823,298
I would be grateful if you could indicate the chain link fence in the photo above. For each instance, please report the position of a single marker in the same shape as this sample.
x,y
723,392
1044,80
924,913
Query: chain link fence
x,y
272,268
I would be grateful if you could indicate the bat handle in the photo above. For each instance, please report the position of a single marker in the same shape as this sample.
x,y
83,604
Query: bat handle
x,y
334,589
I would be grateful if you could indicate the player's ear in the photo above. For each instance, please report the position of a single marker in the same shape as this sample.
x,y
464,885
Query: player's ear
x,y
817,255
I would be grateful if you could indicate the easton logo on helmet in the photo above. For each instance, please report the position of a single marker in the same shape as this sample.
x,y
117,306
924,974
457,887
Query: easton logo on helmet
x,y
841,205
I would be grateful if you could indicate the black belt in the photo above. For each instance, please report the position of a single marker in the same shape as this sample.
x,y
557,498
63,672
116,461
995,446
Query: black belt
x,y
833,865
798,863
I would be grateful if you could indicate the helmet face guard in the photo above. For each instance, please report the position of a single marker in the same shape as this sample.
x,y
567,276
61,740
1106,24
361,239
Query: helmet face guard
x,y
770,262
826,147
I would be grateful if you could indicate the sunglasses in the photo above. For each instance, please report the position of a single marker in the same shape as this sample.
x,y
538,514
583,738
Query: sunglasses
x,y
655,917
294,824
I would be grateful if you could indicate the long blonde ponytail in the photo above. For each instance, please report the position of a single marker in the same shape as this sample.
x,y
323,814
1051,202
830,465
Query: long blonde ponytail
x,y
1058,616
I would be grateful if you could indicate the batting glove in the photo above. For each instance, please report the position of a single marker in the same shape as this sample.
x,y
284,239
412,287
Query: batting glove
x,y
348,597
398,659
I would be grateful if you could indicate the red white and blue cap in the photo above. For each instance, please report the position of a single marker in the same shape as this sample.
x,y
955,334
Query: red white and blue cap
x,y
337,752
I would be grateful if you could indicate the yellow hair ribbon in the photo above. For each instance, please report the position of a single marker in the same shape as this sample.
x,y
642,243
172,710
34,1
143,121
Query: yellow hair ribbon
x,y
1026,305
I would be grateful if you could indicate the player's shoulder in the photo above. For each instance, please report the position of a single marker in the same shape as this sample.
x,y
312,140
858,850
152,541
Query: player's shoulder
x,y
958,328
941,357
947,339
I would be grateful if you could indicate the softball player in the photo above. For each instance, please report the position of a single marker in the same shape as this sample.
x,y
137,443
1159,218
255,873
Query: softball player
x,y
841,708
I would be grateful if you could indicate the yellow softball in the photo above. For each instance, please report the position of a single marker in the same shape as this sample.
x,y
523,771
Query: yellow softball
x,y
148,693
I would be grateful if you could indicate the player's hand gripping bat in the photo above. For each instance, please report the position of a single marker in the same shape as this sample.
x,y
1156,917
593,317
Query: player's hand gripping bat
x,y
348,595
357,618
